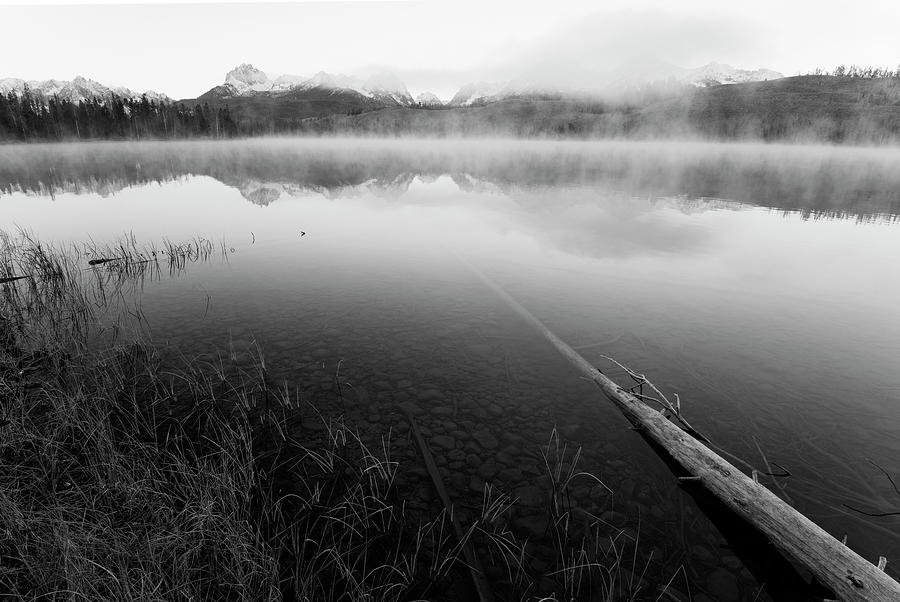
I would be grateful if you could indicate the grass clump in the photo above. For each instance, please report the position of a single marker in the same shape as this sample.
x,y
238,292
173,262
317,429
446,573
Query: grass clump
x,y
127,474
126,477
102,494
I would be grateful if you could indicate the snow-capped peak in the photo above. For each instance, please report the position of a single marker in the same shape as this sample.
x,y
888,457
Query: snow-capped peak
x,y
12,84
476,93
585,83
82,88
78,89
247,79
713,74
387,86
427,99
334,82
286,82
246,75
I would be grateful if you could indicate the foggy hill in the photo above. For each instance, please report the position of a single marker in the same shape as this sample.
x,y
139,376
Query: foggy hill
x,y
814,107
387,89
265,102
288,110
835,109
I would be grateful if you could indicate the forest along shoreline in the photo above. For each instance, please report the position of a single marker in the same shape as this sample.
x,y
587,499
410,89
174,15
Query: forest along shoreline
x,y
855,107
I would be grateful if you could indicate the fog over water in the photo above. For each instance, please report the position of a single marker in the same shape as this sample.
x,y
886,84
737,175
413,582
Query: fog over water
x,y
760,283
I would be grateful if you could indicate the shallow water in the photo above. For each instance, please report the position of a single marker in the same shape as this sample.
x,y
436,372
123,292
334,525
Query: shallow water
x,y
759,283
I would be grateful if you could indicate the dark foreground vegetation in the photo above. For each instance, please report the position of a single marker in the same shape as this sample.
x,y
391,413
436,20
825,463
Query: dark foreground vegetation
x,y
848,106
128,472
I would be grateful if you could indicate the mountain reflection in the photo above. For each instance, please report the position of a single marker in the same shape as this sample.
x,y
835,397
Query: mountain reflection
x,y
817,182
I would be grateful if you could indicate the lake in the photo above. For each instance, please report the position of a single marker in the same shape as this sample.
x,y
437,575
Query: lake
x,y
759,283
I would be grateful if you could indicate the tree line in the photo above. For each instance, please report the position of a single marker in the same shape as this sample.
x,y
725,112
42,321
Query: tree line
x,y
859,72
30,116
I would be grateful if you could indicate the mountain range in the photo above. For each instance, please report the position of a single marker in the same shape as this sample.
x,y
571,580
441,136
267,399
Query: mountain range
x,y
288,102
651,100
246,80
587,85
386,89
76,90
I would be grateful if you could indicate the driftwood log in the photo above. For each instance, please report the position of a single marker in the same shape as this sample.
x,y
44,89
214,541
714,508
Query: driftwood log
x,y
849,576
476,570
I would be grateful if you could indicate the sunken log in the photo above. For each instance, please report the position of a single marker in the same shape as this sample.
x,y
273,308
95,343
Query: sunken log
x,y
849,576
476,570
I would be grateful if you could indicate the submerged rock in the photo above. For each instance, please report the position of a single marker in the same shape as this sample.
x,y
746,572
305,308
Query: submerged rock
x,y
486,439
411,408
458,481
509,475
534,525
487,470
513,439
444,441
430,395
722,585
530,496
362,395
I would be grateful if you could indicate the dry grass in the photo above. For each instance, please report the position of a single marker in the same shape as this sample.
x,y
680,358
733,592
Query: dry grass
x,y
124,476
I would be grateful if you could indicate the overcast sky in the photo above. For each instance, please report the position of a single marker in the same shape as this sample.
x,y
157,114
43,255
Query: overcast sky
x,y
184,49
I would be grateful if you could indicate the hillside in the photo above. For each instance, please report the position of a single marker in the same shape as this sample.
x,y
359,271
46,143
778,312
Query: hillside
x,y
264,103
288,110
823,108
267,103
820,107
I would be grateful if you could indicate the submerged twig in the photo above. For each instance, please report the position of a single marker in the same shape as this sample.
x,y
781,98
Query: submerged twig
x,y
889,478
875,514
104,260
11,279
893,484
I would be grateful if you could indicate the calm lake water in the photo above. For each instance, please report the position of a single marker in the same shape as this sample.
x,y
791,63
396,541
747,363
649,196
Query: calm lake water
x,y
760,283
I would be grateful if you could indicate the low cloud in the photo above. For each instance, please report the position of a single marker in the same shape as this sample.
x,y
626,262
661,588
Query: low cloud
x,y
600,48
645,43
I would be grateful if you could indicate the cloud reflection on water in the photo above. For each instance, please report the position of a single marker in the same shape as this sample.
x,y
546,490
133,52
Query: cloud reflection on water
x,y
752,316
862,182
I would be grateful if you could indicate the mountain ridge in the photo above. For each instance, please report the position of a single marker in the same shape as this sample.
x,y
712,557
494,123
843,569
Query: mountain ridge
x,y
838,108
383,88
247,80
805,109
427,99
78,89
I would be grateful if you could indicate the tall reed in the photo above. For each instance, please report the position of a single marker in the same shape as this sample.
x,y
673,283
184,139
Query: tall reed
x,y
126,475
